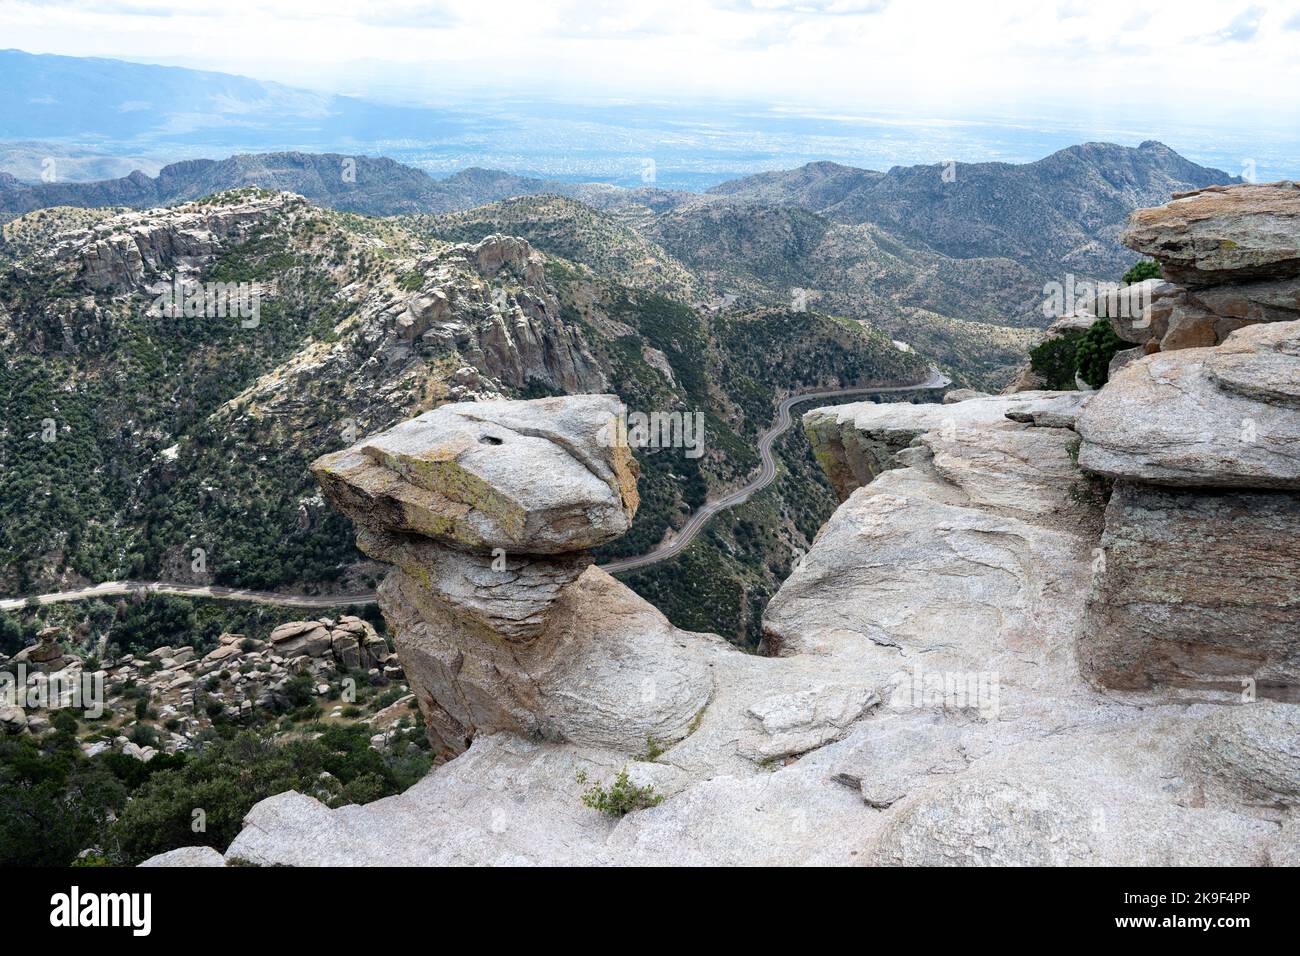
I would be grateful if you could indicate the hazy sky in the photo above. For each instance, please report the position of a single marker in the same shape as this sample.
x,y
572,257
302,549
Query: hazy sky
x,y
1231,62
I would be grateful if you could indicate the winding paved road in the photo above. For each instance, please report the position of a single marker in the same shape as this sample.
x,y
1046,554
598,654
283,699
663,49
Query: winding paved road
x,y
766,475
766,472
118,588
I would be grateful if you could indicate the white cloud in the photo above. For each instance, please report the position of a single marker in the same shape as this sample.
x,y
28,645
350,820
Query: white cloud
x,y
950,59
1244,26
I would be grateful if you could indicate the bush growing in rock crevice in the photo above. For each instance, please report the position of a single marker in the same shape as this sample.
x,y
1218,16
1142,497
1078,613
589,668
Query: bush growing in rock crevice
x,y
1095,350
1055,361
621,797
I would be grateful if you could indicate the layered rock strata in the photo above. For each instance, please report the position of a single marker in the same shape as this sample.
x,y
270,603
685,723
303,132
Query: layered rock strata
x,y
1230,256
1198,584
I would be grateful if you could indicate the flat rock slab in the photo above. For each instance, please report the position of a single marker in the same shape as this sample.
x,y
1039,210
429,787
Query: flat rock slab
x,y
1211,417
1223,233
856,442
534,477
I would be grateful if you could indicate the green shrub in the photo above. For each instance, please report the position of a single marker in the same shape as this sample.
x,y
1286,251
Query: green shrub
x,y
227,777
1097,348
1055,360
621,797
53,802
1145,269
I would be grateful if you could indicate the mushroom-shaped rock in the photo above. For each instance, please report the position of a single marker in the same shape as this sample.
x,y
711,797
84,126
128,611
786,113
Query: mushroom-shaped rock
x,y
532,477
491,641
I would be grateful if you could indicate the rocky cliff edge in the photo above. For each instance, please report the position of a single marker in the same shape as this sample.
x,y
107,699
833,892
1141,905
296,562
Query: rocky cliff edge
x,y
1043,628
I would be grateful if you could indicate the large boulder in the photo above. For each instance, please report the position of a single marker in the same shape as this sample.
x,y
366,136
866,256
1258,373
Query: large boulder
x,y
1208,417
606,670
187,856
540,477
300,637
485,513
1223,233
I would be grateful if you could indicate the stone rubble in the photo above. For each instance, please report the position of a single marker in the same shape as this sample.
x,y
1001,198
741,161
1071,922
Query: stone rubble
x,y
236,676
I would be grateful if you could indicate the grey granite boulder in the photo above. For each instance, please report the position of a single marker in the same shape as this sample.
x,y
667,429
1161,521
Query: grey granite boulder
x,y
1223,233
1212,417
187,856
538,477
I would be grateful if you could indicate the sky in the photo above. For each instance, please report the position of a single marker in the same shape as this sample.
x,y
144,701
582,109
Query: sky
x,y
1231,63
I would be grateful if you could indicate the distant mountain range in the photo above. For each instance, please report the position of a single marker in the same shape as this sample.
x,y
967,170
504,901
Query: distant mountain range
x,y
950,258
1066,209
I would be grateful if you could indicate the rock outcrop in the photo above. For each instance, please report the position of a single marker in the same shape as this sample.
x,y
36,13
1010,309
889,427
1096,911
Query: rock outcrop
x,y
855,443
1198,586
920,700
1232,258
1206,417
486,511
128,252
1222,233
1020,640
190,690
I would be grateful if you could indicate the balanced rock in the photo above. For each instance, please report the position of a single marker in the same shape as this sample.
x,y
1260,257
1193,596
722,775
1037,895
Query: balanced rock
x,y
486,512
541,477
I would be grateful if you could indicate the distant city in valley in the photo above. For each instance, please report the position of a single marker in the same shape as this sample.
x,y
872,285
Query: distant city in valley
x,y
144,117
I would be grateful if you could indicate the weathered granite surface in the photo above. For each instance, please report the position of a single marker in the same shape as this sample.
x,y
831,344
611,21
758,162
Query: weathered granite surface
x,y
1197,589
1207,417
1222,233
922,701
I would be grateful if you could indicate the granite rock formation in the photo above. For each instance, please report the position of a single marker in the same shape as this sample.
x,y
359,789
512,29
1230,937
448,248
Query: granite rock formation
x,y
1231,255
1203,444
991,654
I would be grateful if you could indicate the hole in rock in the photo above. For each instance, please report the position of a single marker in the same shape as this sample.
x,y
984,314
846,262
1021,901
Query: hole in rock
x,y
489,440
